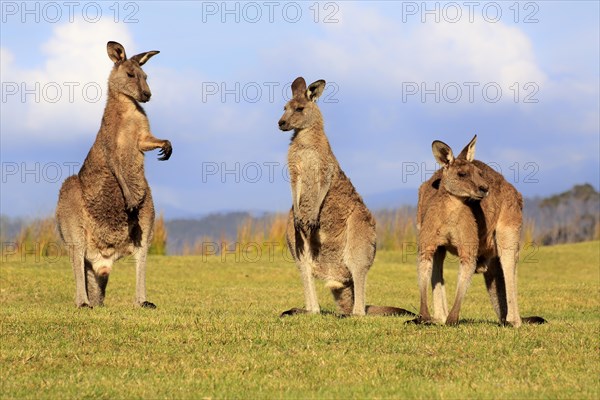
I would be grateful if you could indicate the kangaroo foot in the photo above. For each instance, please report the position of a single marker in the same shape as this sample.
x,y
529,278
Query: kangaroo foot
x,y
419,321
388,311
452,319
293,311
147,304
533,320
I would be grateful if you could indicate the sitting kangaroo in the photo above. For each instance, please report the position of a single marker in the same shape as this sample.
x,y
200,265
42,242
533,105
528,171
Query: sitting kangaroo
x,y
330,231
469,210
106,211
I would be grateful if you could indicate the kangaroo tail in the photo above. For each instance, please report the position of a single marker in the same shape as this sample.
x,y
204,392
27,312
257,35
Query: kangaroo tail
x,y
389,311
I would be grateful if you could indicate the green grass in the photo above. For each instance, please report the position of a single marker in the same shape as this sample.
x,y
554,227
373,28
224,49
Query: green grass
x,y
217,334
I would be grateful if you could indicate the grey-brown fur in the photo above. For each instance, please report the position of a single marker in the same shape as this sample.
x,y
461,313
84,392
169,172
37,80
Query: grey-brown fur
x,y
106,211
330,231
471,211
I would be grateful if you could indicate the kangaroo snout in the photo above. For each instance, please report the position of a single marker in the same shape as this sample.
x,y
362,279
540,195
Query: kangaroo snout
x,y
481,190
145,97
283,125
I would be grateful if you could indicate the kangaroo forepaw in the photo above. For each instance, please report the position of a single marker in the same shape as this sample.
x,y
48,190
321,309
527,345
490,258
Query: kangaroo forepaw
x,y
533,320
166,151
130,205
147,304
84,305
293,311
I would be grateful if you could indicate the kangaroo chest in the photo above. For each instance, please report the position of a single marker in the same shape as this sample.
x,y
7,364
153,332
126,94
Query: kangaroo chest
x,y
454,224
131,128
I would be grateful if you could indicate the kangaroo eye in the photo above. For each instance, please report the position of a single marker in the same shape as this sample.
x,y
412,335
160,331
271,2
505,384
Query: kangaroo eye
x,y
299,109
462,174
129,74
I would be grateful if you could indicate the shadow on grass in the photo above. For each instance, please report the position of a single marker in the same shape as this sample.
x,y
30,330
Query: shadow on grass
x,y
469,321
377,311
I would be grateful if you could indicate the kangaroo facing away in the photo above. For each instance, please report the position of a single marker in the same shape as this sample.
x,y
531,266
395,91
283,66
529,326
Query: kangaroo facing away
x,y
330,231
468,209
106,211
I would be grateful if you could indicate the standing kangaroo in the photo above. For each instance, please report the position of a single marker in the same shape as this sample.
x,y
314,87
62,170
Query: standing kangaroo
x,y
106,211
469,210
330,231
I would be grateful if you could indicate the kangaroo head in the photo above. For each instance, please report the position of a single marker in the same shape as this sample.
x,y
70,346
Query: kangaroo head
x,y
302,111
127,76
460,176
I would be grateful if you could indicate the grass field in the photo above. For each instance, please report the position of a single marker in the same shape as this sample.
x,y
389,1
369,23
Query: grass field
x,y
217,334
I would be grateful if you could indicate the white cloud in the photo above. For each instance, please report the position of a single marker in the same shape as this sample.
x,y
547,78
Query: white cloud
x,y
378,52
69,86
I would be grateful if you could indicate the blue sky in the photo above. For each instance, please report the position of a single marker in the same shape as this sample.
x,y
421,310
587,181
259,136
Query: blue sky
x,y
523,76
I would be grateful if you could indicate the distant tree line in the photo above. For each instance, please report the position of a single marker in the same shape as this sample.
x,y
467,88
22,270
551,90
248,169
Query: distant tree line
x,y
40,238
568,217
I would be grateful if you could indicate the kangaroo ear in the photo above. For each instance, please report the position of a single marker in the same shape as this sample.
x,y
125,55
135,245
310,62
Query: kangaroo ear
x,y
143,57
116,52
315,90
442,153
298,87
468,153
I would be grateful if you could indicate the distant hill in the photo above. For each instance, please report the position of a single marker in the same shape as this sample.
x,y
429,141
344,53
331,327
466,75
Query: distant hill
x,y
567,217
10,227
221,225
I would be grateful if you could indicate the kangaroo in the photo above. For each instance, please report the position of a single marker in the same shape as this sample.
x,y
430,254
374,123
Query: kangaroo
x,y
468,209
106,211
330,231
